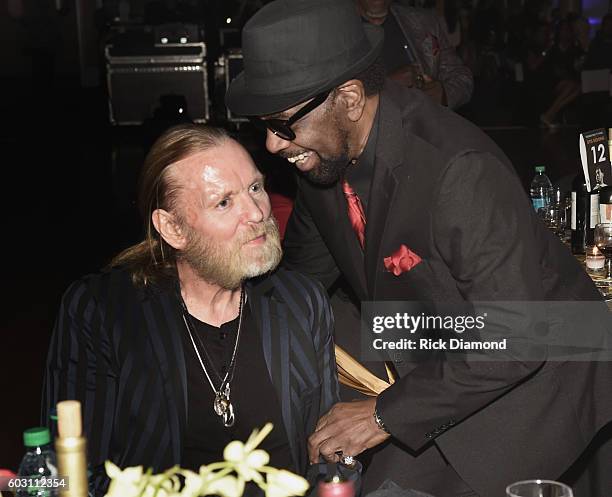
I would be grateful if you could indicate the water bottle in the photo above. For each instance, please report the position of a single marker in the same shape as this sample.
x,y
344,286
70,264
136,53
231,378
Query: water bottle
x,y
540,190
39,461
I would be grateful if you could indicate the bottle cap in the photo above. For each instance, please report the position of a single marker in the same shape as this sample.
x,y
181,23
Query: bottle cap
x,y
69,421
540,169
35,437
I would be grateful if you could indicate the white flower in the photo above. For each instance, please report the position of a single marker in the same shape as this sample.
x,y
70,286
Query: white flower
x,y
282,483
193,485
246,460
228,486
126,483
246,463
225,486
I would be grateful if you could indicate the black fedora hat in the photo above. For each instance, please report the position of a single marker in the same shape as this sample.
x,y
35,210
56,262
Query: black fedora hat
x,y
296,49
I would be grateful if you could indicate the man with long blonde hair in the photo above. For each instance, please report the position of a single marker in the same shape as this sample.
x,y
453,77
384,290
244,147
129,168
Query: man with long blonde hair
x,y
192,338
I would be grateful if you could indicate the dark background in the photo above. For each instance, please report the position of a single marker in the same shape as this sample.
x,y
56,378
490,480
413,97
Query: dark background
x,y
68,176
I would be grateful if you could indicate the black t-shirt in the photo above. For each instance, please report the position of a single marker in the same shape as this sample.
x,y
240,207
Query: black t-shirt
x,y
252,394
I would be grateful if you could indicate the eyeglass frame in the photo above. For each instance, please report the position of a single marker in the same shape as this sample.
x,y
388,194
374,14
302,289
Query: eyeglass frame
x,y
282,127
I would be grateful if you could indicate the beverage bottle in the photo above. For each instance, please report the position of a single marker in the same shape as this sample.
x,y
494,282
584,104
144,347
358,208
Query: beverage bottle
x,y
605,204
540,190
605,193
585,214
39,461
71,447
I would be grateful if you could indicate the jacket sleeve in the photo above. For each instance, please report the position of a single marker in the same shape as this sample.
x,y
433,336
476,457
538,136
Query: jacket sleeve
x,y
485,232
303,248
455,76
79,367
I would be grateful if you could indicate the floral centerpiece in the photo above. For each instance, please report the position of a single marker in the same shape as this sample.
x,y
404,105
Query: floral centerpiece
x,y
244,463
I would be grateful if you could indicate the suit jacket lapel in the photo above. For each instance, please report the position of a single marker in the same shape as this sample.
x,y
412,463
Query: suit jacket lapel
x,y
383,188
164,324
330,214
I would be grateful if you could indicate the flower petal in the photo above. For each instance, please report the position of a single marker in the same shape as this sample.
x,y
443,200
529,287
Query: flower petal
x,y
257,436
283,483
234,451
111,470
257,458
228,486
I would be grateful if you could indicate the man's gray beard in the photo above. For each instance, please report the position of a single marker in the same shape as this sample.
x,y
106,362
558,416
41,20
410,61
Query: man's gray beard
x,y
228,266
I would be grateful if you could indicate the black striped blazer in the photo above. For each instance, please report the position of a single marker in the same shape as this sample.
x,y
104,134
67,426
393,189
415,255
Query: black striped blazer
x,y
118,350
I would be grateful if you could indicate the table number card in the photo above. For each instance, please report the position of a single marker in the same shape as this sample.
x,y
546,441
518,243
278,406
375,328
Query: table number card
x,y
595,160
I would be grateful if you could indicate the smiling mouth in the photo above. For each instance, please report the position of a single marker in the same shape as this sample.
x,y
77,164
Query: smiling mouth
x,y
299,159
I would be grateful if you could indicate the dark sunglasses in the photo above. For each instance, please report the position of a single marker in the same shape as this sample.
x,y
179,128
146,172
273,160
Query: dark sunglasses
x,y
282,127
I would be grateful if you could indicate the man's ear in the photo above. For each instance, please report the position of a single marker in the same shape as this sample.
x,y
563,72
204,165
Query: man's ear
x,y
169,229
351,96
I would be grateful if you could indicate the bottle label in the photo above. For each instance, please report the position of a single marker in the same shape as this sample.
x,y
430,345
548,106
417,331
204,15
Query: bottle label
x,y
594,210
538,203
605,213
574,195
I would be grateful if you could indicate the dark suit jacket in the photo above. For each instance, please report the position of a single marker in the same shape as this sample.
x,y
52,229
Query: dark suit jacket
x,y
118,350
445,190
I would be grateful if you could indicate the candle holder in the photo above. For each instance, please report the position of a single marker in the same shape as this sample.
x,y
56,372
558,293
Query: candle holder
x,y
595,261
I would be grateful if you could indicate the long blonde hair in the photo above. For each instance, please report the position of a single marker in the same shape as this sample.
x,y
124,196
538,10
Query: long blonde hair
x,y
153,259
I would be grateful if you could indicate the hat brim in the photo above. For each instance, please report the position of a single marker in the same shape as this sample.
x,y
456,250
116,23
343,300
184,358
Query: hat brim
x,y
241,102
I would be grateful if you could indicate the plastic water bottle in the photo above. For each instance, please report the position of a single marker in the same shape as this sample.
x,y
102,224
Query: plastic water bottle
x,y
39,461
540,190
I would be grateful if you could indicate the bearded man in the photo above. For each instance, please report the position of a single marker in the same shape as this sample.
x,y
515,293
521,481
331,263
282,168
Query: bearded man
x,y
191,339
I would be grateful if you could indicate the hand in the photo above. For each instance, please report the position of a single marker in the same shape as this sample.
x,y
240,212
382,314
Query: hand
x,y
434,90
348,427
409,76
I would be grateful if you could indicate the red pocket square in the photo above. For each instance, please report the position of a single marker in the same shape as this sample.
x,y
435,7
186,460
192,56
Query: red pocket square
x,y
403,259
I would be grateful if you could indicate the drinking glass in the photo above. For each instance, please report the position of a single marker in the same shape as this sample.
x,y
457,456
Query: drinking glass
x,y
538,488
603,240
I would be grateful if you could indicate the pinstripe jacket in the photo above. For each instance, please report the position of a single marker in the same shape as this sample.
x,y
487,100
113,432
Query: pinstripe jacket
x,y
118,350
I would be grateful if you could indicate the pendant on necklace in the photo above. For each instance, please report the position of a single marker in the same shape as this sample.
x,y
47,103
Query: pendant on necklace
x,y
223,406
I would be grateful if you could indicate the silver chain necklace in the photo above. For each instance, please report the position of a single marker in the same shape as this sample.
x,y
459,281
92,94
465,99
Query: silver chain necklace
x,y
222,404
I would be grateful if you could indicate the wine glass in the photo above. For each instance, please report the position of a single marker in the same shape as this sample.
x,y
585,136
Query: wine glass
x,y
603,240
538,488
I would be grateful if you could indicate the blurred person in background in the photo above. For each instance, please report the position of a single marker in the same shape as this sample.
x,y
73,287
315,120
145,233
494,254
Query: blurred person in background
x,y
582,33
417,52
564,60
599,55
550,76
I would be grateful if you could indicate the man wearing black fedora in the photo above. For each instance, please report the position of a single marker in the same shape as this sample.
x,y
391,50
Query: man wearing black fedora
x,y
407,201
